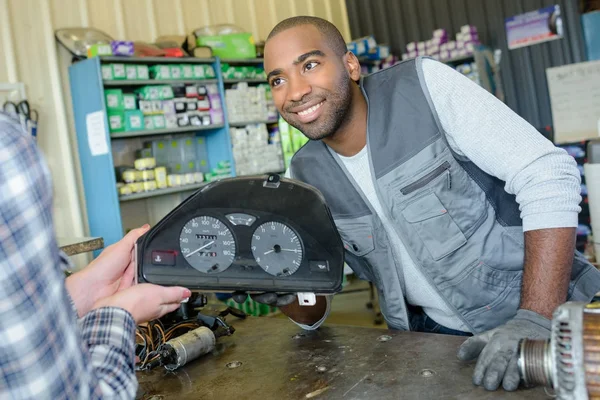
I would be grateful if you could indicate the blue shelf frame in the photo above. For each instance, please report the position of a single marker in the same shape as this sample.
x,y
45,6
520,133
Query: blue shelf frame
x,y
98,173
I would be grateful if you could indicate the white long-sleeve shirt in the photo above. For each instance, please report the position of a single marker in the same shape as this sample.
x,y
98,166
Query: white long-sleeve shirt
x,y
544,178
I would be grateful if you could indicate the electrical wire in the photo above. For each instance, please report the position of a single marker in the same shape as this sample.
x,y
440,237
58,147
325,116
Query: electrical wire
x,y
151,336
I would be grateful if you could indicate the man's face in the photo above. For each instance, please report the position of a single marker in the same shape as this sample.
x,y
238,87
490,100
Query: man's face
x,y
310,84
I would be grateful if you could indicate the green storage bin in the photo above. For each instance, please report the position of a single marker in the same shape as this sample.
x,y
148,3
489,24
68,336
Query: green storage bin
x,y
235,45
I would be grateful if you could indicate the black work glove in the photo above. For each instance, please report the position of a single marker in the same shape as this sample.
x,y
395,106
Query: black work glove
x,y
269,298
496,350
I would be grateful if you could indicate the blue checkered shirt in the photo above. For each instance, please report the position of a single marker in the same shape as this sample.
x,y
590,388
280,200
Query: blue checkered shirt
x,y
46,352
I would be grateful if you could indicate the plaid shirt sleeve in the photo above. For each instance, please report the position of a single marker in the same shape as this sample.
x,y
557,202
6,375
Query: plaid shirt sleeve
x,y
45,352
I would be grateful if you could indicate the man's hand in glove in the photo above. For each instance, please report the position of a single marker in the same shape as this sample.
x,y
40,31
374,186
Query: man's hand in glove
x,y
497,350
272,299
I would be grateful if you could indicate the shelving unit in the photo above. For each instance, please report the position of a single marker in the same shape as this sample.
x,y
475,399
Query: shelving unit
x,y
105,209
161,192
245,124
158,132
121,83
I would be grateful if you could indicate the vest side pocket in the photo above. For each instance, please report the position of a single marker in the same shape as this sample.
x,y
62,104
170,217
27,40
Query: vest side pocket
x,y
436,228
357,235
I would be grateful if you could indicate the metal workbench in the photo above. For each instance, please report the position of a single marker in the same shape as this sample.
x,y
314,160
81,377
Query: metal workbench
x,y
270,358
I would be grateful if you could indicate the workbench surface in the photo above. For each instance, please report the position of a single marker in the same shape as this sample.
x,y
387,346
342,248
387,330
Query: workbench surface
x,y
281,361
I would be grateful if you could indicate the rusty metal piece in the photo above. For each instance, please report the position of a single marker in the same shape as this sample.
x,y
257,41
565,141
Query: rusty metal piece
x,y
591,350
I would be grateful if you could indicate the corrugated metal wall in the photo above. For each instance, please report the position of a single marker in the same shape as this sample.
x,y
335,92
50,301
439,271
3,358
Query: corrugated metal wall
x,y
398,22
28,54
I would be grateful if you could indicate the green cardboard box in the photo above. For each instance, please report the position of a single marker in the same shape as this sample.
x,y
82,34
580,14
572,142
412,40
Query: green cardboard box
x,y
176,71
114,99
187,71
134,120
159,121
98,50
198,71
235,45
160,72
143,73
116,121
107,72
131,72
119,71
149,92
129,101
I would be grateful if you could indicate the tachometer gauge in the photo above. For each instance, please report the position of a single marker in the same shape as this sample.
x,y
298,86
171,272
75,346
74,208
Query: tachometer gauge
x,y
277,248
207,244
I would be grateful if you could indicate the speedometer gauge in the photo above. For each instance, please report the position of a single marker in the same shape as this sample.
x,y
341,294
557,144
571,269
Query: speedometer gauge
x,y
277,248
207,244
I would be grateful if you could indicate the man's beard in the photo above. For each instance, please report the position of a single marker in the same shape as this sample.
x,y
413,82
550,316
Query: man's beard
x,y
327,125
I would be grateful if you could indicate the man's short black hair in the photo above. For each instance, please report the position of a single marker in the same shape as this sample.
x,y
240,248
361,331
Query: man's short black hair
x,y
330,33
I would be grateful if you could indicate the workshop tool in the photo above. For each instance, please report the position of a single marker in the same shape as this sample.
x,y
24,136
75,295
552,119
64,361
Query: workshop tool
x,y
28,117
568,362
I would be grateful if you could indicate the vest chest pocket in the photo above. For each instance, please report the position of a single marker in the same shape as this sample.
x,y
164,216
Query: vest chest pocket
x,y
357,235
436,228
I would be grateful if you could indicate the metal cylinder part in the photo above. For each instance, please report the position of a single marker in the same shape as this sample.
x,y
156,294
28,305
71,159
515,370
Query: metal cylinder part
x,y
535,362
188,347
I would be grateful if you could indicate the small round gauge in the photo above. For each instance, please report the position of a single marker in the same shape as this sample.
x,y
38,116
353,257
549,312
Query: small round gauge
x,y
277,248
207,244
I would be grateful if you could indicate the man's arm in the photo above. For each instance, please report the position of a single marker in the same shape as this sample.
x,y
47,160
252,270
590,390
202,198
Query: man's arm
x,y
43,353
544,178
545,288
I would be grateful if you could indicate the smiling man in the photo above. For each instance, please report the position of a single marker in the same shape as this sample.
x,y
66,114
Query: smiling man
x,y
457,209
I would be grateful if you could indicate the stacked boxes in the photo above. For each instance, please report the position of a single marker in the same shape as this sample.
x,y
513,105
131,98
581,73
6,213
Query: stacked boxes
x,y
181,71
157,107
118,71
255,151
374,56
440,47
242,72
245,104
122,71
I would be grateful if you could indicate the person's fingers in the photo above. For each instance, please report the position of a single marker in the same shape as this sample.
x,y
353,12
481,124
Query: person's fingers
x,y
128,278
285,299
239,297
483,363
496,370
173,294
471,348
511,377
167,308
133,235
265,298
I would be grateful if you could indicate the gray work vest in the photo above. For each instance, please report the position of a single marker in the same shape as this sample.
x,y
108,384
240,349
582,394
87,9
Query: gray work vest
x,y
461,228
